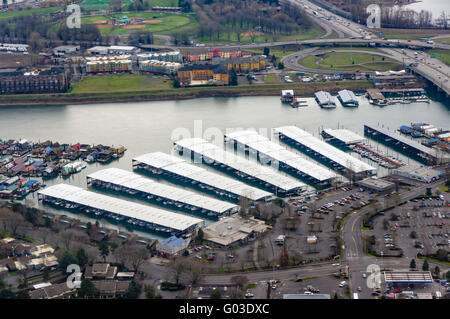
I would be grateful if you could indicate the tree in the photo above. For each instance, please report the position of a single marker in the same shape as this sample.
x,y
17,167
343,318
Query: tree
x,y
23,294
66,259
87,289
239,280
280,65
437,271
266,51
200,235
176,270
150,292
115,5
36,42
447,275
82,257
425,266
215,294
45,274
133,291
233,77
412,265
103,249
176,83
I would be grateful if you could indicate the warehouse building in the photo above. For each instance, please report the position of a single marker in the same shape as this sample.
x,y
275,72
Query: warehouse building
x,y
422,174
378,185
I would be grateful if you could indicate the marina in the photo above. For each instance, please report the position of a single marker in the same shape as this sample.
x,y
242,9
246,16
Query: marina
x,y
178,169
268,151
324,99
133,184
317,148
249,171
411,147
146,217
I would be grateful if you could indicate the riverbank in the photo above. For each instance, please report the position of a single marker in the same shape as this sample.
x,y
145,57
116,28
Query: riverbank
x,y
301,90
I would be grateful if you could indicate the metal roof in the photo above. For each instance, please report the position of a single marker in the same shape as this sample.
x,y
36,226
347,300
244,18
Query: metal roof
x,y
347,96
178,166
325,149
212,152
344,135
121,207
266,147
408,276
136,182
404,139
324,97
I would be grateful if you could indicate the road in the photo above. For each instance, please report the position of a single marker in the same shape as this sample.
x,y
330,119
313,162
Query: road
x,y
292,61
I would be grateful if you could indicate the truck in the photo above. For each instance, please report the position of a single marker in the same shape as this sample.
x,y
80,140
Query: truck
x,y
280,240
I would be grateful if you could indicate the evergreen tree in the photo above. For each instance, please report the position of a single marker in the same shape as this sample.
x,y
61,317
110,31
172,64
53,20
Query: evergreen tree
x,y
215,294
87,289
412,265
425,266
233,77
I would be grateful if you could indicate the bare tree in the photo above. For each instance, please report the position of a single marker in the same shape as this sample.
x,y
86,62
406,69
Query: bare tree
x,y
176,270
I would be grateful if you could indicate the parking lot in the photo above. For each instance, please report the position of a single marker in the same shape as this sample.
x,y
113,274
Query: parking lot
x,y
419,226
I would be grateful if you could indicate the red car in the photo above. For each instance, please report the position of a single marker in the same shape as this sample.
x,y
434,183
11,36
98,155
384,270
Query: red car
x,y
397,291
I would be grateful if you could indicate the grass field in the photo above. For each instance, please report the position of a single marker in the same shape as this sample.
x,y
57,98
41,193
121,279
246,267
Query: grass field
x,y
232,36
271,78
443,40
170,24
344,61
104,4
119,83
444,55
23,13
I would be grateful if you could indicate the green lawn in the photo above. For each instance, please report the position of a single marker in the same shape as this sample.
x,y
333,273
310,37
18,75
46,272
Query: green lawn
x,y
171,23
444,55
22,13
119,83
232,36
443,40
345,61
405,36
104,4
270,78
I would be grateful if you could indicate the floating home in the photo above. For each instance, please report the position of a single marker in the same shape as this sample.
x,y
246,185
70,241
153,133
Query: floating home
x,y
348,98
146,217
324,99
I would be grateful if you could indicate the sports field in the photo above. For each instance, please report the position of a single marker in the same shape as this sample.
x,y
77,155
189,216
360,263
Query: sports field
x,y
345,61
104,4
158,23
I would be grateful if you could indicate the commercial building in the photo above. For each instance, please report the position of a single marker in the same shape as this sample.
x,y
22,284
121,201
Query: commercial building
x,y
422,174
34,80
179,198
245,65
178,169
193,75
146,217
233,230
13,47
269,151
205,55
113,49
171,246
408,277
159,67
243,168
378,185
170,56
66,49
108,64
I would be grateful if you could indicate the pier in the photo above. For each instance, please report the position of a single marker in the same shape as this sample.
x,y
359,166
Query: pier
x,y
178,169
133,184
241,167
323,151
150,218
267,150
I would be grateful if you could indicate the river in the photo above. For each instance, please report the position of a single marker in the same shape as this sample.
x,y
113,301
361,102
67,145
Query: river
x,y
144,127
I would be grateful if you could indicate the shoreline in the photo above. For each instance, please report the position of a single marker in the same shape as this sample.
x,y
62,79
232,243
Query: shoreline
x,y
301,90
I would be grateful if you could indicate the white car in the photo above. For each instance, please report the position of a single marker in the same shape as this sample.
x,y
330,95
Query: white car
x,y
342,284
335,264
364,275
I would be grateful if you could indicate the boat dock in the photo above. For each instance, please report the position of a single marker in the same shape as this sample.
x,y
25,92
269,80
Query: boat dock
x,y
348,98
176,168
287,96
72,197
240,166
133,184
342,137
324,99
392,96
298,102
404,144
382,160
267,150
323,151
